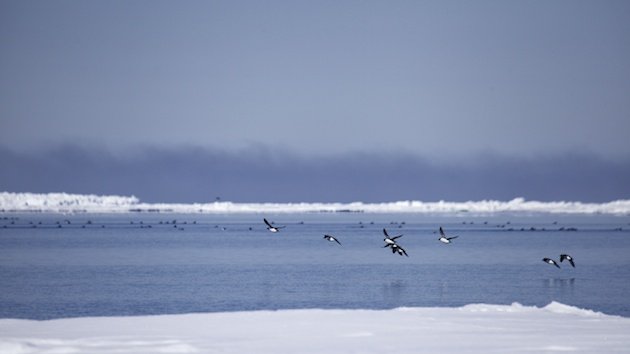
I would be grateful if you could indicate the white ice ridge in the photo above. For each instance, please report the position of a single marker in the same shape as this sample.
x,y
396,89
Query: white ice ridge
x,y
475,328
68,203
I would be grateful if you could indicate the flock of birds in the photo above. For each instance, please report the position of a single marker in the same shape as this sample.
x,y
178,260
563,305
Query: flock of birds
x,y
563,257
390,242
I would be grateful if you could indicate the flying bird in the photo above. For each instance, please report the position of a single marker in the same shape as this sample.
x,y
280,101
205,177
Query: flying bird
x,y
568,258
271,227
443,237
332,239
550,261
389,240
400,250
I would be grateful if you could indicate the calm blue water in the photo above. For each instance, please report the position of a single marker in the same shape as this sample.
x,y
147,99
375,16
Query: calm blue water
x,y
105,265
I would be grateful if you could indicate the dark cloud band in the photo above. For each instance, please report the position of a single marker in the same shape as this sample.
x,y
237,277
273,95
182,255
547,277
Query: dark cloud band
x,y
200,175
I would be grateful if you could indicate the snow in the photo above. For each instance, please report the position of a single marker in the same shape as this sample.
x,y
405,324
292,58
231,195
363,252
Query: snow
x,y
77,203
477,328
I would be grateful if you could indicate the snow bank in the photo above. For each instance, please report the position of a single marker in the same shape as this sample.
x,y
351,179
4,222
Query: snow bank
x,y
60,202
471,329
65,203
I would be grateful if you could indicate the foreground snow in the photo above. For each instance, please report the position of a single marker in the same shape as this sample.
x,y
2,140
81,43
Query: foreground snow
x,y
69,203
471,329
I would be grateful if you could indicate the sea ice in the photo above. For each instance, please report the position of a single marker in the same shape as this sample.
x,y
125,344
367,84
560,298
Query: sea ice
x,y
69,203
477,328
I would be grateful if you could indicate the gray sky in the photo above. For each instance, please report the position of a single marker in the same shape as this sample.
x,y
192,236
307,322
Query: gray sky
x,y
183,101
431,78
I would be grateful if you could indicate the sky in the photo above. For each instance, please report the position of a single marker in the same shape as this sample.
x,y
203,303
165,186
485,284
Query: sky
x,y
439,92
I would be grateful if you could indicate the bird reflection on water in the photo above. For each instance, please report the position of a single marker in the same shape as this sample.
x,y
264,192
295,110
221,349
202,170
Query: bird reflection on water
x,y
565,286
394,291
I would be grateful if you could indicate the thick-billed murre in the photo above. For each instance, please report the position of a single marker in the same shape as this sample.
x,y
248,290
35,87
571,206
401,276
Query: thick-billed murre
x,y
331,239
550,261
271,227
443,237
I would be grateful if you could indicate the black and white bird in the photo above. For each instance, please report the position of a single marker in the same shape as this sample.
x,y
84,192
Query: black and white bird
x,y
271,227
443,237
396,248
550,261
332,239
568,258
389,240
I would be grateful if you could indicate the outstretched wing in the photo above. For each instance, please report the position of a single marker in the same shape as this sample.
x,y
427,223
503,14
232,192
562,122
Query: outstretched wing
x,y
452,237
395,237
331,238
385,232
442,232
267,222
568,258
550,261
403,251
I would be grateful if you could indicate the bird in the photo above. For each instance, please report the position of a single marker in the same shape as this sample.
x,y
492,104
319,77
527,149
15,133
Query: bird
x,y
332,239
443,237
389,240
271,227
400,250
568,258
550,261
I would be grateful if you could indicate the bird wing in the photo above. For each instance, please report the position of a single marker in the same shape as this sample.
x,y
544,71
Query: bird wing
x,y
441,231
385,232
267,222
337,241
395,237
550,261
452,237
403,251
568,258
331,238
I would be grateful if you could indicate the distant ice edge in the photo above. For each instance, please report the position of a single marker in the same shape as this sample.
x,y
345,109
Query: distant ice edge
x,y
553,307
79,203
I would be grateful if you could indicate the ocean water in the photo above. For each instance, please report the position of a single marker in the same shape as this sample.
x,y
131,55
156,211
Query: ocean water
x,y
55,266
